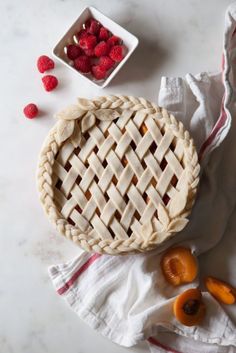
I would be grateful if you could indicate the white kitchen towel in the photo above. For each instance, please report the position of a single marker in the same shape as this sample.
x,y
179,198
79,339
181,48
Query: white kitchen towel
x,y
126,297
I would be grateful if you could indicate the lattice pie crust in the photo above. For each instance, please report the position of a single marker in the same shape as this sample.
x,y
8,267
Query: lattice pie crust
x,y
118,174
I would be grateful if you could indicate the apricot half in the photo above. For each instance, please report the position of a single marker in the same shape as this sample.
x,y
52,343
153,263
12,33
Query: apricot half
x,y
220,290
189,308
179,266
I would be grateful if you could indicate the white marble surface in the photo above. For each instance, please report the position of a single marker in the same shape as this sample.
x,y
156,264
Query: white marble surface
x,y
175,38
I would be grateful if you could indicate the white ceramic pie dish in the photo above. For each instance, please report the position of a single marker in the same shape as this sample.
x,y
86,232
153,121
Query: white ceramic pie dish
x,y
129,41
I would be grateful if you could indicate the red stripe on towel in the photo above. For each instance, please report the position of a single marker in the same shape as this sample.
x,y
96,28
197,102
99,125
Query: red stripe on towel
x,y
222,118
155,342
219,124
83,268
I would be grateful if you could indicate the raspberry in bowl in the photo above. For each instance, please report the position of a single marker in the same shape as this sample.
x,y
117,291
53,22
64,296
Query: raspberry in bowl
x,y
95,47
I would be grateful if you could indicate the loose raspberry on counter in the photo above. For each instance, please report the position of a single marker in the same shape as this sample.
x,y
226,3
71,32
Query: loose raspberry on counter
x,y
83,64
73,51
101,49
117,53
114,40
88,42
104,34
92,26
31,110
44,63
98,72
50,82
106,62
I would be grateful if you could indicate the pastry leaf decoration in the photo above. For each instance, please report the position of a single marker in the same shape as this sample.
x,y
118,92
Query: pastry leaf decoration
x,y
87,122
106,114
87,112
178,203
163,215
65,129
86,104
177,224
70,113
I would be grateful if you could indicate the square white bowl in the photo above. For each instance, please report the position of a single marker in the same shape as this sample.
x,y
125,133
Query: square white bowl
x,y
129,41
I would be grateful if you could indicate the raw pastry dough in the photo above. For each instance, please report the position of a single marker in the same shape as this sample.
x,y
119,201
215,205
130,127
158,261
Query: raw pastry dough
x,y
118,174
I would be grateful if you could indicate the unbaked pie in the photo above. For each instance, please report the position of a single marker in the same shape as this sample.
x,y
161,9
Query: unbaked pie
x,y
118,174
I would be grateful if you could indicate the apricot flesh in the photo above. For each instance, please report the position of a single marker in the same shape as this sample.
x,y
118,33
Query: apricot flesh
x,y
143,129
189,308
179,266
221,290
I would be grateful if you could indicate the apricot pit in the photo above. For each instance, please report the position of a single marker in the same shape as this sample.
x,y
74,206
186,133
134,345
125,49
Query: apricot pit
x,y
189,308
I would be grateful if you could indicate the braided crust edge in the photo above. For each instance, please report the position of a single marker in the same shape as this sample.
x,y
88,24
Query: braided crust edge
x,y
64,129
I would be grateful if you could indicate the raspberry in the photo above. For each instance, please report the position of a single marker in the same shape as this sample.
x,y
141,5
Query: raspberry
x,y
106,62
87,24
30,111
92,26
81,34
104,33
98,72
44,63
101,49
50,82
88,42
114,40
89,52
83,64
117,53
73,51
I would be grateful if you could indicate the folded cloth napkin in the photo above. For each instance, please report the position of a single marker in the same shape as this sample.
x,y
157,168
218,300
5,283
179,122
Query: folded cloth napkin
x,y
126,298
